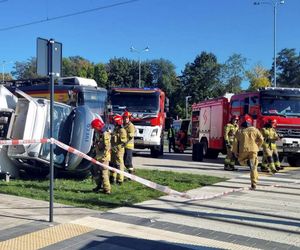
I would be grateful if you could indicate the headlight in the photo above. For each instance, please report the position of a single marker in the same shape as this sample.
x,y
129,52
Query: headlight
x,y
154,132
134,115
140,115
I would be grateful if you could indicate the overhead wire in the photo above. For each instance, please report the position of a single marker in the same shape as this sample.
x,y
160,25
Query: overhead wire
x,y
66,15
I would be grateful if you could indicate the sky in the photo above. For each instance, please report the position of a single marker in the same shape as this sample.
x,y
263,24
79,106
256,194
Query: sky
x,y
176,30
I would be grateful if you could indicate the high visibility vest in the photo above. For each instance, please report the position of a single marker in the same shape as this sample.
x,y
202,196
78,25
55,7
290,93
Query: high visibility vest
x,y
270,137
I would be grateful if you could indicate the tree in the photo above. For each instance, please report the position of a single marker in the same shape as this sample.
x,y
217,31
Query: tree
x,y
201,78
258,77
120,72
100,75
77,66
233,72
25,70
288,68
163,75
6,76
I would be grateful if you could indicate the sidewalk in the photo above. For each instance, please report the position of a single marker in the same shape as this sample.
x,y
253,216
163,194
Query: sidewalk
x,y
267,218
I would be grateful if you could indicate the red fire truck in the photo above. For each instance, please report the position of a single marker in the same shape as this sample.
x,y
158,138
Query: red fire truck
x,y
283,104
147,106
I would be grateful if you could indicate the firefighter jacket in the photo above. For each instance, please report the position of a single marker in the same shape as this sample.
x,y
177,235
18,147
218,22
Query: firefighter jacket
x,y
230,131
270,137
102,146
247,140
130,130
118,139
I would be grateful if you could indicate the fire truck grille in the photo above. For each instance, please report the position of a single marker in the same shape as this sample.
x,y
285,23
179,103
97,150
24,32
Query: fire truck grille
x,y
289,133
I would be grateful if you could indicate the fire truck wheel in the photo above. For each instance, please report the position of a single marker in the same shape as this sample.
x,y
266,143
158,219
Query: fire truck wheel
x,y
197,154
293,161
155,152
204,147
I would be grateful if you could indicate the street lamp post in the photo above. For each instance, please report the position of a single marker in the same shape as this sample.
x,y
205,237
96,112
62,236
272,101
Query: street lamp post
x,y
133,49
186,106
274,3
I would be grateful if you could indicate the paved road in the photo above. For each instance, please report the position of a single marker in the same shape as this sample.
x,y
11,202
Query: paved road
x,y
268,218
183,163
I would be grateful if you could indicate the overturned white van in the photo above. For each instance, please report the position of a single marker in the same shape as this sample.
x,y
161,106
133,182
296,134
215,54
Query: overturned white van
x,y
31,120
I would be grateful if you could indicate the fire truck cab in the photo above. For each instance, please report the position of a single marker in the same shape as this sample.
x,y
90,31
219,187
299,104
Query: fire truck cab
x,y
147,106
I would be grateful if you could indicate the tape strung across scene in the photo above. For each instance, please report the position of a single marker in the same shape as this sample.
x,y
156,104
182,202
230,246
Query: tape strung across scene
x,y
143,181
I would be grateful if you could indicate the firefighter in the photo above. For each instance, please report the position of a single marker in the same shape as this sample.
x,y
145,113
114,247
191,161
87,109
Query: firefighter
x,y
171,138
229,134
118,141
129,146
245,147
102,147
270,160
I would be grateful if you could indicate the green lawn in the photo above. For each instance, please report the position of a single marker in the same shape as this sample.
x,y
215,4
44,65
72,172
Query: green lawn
x,y
78,192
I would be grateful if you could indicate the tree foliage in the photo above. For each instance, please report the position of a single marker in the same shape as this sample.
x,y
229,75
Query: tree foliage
x,y
258,77
77,66
119,73
25,70
201,78
100,75
288,68
233,73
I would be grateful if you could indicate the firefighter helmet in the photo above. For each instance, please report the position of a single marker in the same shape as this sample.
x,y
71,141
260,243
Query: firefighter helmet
x,y
272,121
126,114
118,119
248,119
98,124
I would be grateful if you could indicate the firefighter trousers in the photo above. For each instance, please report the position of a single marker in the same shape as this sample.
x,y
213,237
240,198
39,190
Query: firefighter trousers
x,y
230,158
270,159
250,159
117,161
101,177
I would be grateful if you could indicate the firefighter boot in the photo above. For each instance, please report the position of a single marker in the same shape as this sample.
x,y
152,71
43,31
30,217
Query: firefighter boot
x,y
97,188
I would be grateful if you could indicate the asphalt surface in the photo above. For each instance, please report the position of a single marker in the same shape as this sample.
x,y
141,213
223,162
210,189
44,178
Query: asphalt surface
x,y
267,218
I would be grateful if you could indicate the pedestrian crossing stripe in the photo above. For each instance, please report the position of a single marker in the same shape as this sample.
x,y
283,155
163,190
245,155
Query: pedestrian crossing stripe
x,y
154,234
45,237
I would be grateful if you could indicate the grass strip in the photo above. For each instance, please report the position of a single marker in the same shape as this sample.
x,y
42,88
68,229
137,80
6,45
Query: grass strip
x,y
78,192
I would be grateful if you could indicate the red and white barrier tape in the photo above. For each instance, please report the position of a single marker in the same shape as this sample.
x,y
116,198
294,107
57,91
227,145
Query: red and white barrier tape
x,y
20,142
143,181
